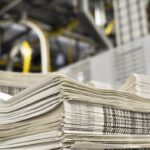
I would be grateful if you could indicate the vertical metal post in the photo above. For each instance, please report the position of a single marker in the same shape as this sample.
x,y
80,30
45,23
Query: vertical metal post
x,y
100,15
84,5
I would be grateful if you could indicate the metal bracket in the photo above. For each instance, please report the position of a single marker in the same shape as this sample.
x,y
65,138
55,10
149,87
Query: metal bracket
x,y
88,22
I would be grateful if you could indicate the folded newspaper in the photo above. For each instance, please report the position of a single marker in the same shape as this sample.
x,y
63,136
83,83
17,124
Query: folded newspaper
x,y
100,85
12,83
138,84
60,113
4,96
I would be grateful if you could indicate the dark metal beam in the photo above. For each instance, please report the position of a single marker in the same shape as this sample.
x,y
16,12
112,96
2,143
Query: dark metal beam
x,y
10,6
87,21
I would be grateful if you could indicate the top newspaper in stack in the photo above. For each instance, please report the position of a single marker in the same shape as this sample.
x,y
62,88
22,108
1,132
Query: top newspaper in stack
x,y
13,83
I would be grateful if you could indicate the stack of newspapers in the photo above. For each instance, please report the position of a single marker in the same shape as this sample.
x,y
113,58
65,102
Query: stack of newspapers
x,y
12,83
62,114
137,84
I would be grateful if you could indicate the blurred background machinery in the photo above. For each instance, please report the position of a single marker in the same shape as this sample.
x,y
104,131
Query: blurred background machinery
x,y
77,37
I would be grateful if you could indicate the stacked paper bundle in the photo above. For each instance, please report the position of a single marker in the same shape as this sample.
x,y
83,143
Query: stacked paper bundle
x,y
98,146
138,84
4,96
12,83
58,113
100,85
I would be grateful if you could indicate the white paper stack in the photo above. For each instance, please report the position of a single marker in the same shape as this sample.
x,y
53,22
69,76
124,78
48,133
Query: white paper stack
x,y
98,146
12,83
138,84
58,113
100,85
4,96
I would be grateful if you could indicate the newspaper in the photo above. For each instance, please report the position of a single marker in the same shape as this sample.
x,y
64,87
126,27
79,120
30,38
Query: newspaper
x,y
13,83
100,85
4,96
58,113
137,84
100,146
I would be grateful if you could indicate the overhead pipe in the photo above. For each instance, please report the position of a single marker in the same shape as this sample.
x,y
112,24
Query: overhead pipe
x,y
44,45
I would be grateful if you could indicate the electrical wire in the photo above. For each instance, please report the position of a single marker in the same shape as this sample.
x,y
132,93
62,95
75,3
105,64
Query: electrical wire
x,y
26,52
110,27
68,27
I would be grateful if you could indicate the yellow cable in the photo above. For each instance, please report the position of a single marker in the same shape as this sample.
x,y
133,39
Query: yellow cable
x,y
72,25
68,27
26,51
110,27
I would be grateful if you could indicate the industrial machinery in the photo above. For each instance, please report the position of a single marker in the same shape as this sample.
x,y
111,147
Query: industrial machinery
x,y
58,32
